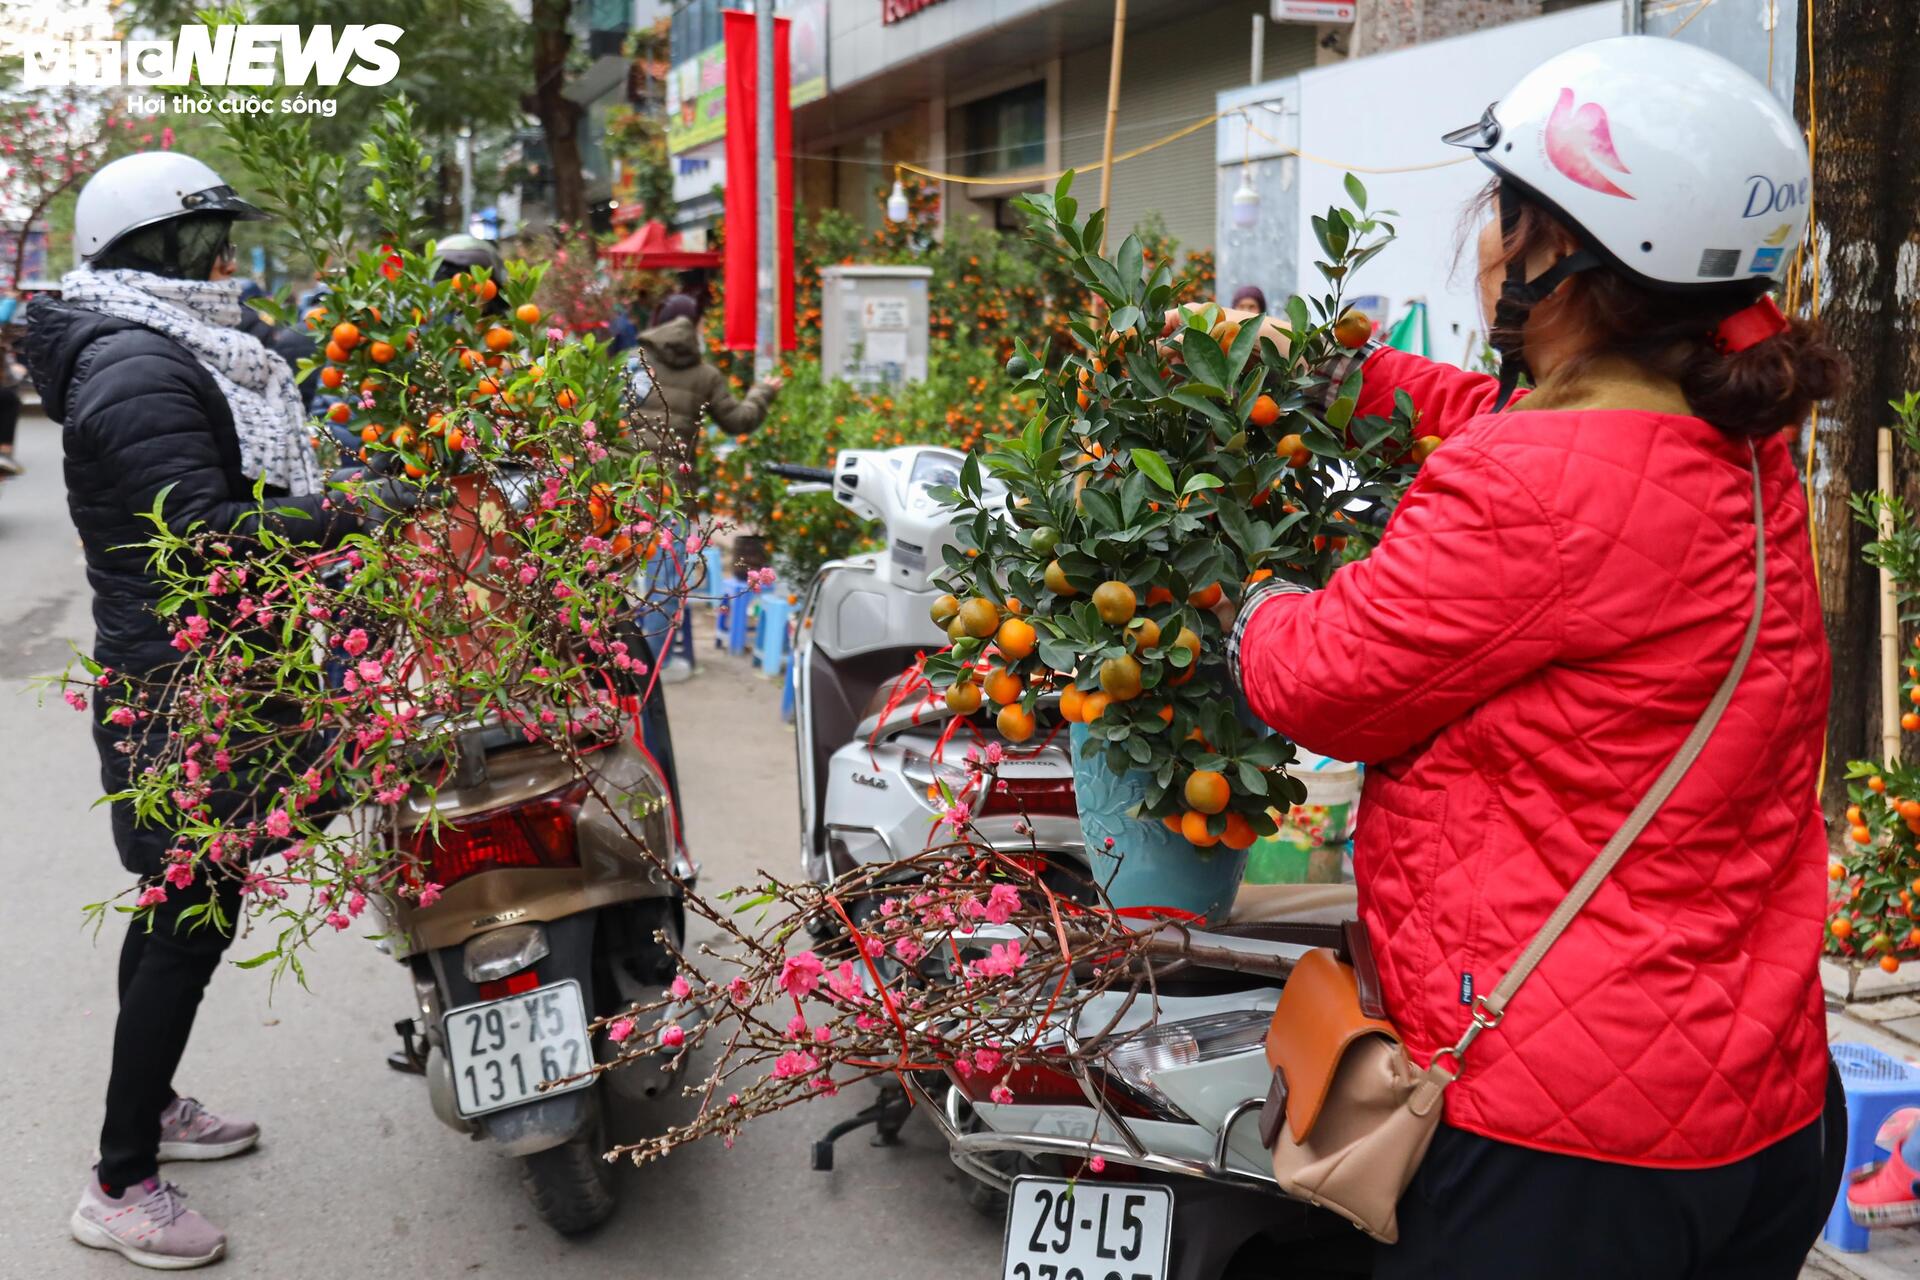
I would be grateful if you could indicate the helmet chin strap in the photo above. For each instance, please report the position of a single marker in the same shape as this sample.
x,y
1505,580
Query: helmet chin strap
x,y
1519,295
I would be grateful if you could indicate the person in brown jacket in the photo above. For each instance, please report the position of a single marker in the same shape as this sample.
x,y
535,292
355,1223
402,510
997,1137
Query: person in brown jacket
x,y
684,385
675,387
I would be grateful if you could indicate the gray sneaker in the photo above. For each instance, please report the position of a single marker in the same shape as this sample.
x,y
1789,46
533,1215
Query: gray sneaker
x,y
149,1225
188,1131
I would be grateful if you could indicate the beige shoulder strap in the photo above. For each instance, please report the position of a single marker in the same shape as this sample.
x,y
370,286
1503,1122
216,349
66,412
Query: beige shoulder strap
x,y
1489,1008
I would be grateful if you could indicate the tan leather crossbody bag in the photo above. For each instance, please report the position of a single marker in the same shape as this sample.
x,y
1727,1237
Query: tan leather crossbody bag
x,y
1349,1116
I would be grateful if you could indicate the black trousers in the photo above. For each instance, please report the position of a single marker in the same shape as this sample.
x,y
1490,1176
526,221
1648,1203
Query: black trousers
x,y
1485,1210
163,971
9,413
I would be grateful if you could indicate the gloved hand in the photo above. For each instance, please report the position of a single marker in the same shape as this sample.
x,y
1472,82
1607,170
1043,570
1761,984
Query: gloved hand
x,y
378,499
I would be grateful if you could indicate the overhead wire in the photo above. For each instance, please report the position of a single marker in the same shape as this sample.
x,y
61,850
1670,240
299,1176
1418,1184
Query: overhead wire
x,y
1000,180
1810,253
1699,9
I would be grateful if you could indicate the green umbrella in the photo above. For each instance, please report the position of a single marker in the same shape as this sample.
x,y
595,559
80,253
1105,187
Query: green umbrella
x,y
1409,332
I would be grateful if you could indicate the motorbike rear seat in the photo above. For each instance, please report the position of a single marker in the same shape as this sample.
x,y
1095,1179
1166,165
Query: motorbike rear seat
x,y
1287,903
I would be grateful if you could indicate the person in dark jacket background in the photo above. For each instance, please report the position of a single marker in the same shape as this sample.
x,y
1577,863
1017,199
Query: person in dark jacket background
x,y
163,398
676,388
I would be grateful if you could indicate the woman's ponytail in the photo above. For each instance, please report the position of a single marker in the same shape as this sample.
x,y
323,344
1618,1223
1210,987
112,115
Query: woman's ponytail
x,y
1772,384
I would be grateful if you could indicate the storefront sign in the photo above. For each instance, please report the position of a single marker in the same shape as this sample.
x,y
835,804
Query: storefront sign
x,y
697,87
892,11
1313,10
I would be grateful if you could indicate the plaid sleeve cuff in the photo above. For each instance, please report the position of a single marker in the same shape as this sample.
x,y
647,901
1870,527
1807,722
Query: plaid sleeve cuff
x,y
1337,370
1261,593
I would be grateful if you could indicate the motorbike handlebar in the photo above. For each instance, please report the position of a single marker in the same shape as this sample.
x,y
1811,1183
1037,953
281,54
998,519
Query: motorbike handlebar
x,y
794,471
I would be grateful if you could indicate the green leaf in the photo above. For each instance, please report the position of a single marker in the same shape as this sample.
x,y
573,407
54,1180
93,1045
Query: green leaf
x,y
1237,525
1096,226
1133,499
1356,192
1205,480
1339,413
1154,467
1205,361
1102,508
1143,369
1132,260
1126,317
1104,279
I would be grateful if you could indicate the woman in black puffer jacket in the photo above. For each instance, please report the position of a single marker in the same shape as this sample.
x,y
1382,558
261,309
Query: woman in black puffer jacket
x,y
163,400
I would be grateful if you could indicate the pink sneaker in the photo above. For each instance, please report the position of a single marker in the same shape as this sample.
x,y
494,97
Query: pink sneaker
x,y
148,1224
1884,1194
188,1131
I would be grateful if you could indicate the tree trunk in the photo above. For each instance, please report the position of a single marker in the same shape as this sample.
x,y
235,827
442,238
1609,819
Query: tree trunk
x,y
1863,51
558,114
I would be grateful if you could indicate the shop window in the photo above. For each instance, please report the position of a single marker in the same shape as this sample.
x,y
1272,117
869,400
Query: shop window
x,y
1004,133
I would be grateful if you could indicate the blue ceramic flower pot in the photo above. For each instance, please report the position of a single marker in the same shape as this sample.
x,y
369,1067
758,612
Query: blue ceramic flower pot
x,y
1148,865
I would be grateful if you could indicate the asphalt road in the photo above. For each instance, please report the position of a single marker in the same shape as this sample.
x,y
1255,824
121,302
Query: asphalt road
x,y
354,1177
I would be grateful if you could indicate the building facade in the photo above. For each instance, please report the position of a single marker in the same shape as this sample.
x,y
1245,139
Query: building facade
x,y
1001,94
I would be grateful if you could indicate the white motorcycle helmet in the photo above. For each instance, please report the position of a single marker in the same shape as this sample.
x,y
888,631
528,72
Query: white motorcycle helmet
x,y
1670,165
141,190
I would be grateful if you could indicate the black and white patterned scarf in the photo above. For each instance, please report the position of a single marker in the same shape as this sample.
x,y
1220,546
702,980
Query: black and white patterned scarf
x,y
201,316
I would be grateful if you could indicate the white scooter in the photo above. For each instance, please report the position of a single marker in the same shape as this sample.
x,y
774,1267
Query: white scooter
x,y
871,736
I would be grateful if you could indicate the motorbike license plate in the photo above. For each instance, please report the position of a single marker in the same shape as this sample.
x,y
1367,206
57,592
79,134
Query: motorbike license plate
x,y
502,1051
1060,1230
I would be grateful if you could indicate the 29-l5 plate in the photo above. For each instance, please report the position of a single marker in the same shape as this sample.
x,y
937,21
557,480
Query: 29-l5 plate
x,y
1060,1230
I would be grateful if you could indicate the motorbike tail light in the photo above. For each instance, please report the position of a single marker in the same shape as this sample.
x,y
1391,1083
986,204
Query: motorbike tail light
x,y
499,988
1136,1061
1037,1085
1040,797
536,833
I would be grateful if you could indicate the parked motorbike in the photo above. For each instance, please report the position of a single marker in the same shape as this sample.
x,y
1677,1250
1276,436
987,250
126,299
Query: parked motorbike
x,y
871,744
547,917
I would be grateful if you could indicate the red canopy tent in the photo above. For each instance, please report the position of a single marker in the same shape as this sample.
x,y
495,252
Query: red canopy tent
x,y
653,247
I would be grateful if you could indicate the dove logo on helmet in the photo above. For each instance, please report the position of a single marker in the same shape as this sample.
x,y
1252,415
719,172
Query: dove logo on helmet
x,y
1765,195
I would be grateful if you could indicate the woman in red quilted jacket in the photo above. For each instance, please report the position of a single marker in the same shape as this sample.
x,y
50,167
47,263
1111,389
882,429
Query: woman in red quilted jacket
x,y
1549,613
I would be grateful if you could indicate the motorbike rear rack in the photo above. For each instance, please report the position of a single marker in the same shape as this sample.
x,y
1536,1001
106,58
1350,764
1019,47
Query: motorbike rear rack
x,y
967,1147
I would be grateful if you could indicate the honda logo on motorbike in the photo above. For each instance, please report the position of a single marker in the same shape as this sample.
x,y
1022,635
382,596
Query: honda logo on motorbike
x,y
868,780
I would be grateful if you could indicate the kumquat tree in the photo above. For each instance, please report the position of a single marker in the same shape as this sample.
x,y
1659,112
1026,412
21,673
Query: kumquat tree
x,y
1157,479
1874,917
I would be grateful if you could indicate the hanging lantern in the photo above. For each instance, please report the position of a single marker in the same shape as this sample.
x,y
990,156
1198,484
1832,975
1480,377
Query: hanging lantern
x,y
1246,202
897,209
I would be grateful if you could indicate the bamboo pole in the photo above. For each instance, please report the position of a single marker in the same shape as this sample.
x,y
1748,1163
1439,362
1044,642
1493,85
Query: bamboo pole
x,y
1113,114
1889,619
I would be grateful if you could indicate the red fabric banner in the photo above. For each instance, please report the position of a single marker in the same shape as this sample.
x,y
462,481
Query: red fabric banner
x,y
741,211
783,172
742,199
